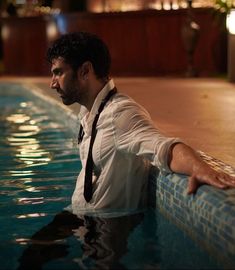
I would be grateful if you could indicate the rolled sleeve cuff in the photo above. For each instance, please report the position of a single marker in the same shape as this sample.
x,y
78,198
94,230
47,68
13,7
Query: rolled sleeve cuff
x,y
162,156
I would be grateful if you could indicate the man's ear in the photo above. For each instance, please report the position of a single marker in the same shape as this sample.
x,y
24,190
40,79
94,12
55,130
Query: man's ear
x,y
85,69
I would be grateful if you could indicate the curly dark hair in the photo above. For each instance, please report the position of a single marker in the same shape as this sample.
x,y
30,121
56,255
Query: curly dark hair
x,y
79,47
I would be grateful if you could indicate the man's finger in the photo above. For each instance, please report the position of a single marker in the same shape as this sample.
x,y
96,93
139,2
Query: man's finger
x,y
193,185
227,179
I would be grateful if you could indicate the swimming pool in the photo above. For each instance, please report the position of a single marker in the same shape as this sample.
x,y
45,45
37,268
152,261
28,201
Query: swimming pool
x,y
39,164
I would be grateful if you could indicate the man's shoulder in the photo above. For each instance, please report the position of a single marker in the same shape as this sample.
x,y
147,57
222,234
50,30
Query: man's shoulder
x,y
123,101
127,114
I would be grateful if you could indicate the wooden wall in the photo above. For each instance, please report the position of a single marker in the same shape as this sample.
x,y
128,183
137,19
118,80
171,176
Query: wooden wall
x,y
140,42
24,46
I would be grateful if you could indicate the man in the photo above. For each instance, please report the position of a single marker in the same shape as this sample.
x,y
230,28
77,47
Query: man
x,y
118,141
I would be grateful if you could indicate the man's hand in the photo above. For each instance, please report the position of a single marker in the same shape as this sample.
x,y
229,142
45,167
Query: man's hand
x,y
209,176
183,159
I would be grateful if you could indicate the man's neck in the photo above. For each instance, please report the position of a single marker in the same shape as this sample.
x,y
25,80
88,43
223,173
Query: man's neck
x,y
94,90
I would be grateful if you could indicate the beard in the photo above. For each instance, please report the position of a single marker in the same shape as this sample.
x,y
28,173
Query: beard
x,y
71,92
67,100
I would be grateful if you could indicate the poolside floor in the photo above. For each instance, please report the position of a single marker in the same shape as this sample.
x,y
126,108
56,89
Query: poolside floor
x,y
201,111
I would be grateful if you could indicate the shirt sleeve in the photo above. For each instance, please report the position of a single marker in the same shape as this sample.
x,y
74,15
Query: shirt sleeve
x,y
135,133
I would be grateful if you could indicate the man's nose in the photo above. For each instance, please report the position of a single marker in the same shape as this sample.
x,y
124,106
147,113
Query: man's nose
x,y
54,84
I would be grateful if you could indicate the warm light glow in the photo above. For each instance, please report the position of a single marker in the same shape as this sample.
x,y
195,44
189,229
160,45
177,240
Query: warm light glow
x,y
166,5
36,161
27,180
18,118
33,215
35,200
32,153
157,5
23,104
231,22
32,189
5,32
194,26
29,149
183,4
128,6
23,134
133,5
21,141
52,30
21,173
29,128
22,241
175,5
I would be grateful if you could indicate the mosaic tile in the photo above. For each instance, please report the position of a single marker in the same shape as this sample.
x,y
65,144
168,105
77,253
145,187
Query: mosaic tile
x,y
209,215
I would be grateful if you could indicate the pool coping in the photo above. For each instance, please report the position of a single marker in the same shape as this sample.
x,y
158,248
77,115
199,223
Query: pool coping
x,y
207,216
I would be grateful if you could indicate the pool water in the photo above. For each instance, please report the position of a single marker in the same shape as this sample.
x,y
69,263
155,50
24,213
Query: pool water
x,y
39,164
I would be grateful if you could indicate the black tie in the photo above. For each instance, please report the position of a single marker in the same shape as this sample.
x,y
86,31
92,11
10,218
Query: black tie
x,y
89,164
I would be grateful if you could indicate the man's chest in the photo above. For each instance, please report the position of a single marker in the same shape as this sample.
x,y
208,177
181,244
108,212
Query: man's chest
x,y
104,146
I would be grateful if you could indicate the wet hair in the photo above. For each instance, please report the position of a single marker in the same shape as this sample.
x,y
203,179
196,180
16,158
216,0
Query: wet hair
x,y
77,48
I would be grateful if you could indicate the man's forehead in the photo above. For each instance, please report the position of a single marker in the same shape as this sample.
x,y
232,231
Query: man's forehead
x,y
58,61
59,64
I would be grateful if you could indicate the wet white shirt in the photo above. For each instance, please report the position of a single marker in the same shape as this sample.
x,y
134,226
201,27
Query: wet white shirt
x,y
126,144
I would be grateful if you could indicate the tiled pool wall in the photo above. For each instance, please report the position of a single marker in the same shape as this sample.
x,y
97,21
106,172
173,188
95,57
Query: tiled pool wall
x,y
207,216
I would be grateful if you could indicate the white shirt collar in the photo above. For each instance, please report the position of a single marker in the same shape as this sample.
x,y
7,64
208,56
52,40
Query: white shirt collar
x,y
101,95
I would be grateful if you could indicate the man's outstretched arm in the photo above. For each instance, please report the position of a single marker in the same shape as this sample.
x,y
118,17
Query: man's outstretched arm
x,y
183,159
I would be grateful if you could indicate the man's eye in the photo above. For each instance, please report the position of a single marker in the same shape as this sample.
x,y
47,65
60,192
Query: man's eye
x,y
57,72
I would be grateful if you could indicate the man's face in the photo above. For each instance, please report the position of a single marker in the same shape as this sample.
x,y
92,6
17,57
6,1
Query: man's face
x,y
66,82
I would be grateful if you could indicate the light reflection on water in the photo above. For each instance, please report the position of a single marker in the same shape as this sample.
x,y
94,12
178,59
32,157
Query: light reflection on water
x,y
22,139
33,215
36,158
38,167
21,172
18,118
